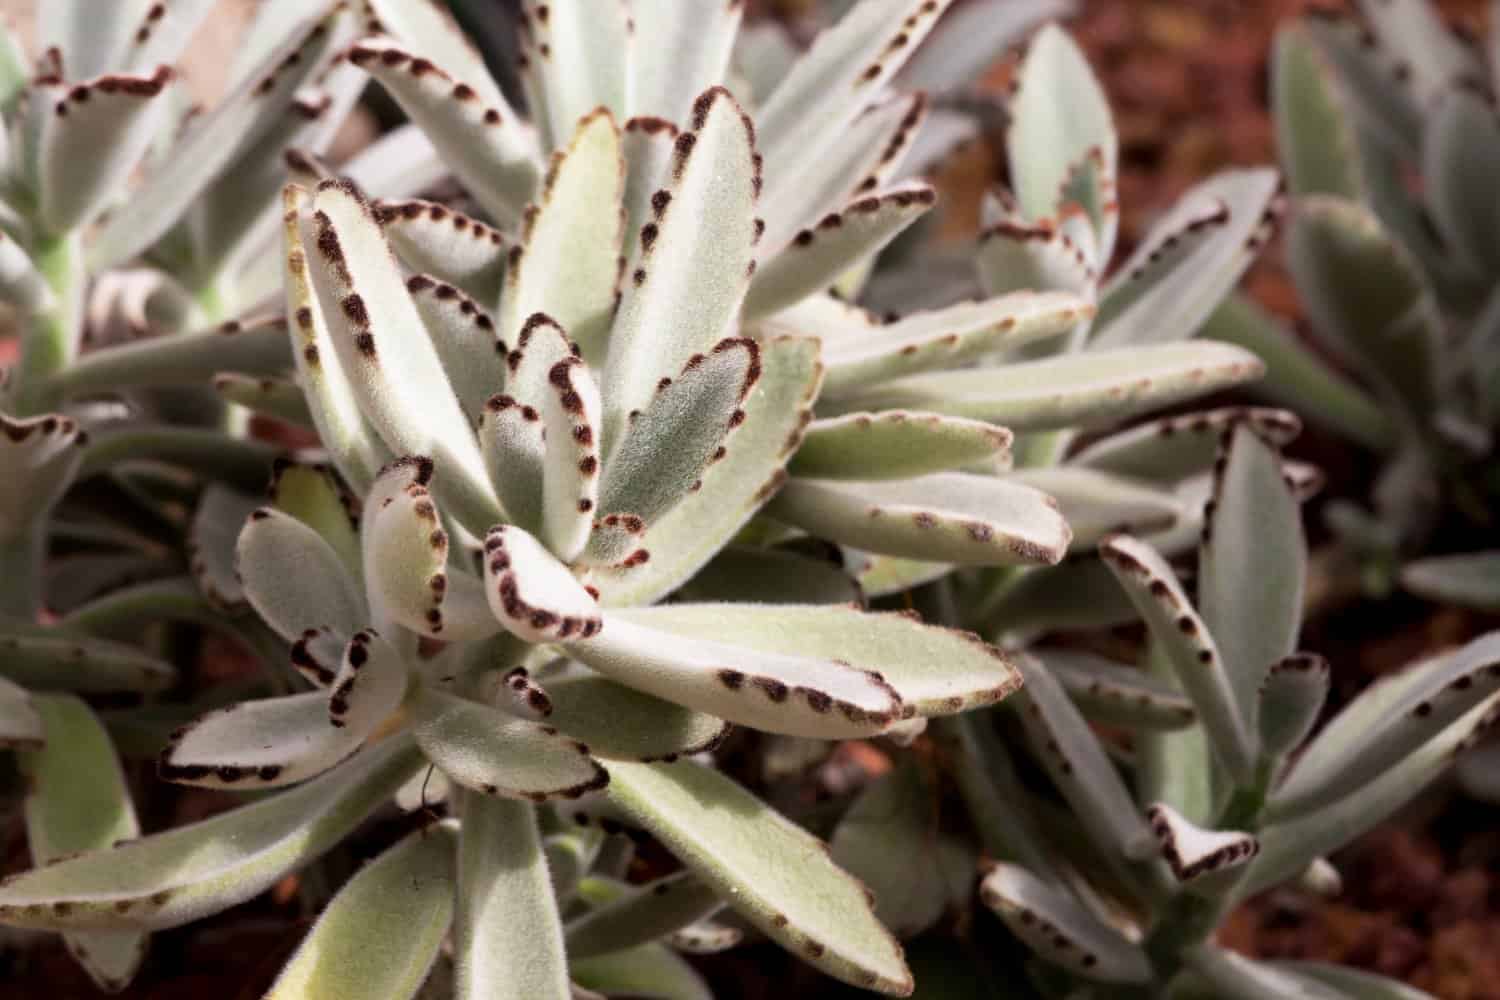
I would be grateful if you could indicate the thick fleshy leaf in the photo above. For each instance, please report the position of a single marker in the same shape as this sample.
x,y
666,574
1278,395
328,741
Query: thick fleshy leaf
x,y
260,744
1097,387
491,149
532,593
1253,568
648,145
650,970
1389,721
464,335
569,257
764,688
889,839
257,346
1193,852
1175,766
1290,698
513,445
312,495
1058,115
434,239
1352,982
47,661
776,413
773,576
1364,294
665,449
817,257
371,684
238,123
508,939
1416,34
642,915
428,27
1060,929
1233,977
811,109
20,724
1159,598
383,930
274,398
1287,848
1114,693
171,878
971,38
212,541
351,442
489,751
395,372
575,57
882,576
932,670
572,422
1471,579
1172,448
1095,503
294,579
95,134
944,338
1077,593
1078,765
898,444
93,41
618,722
688,274
78,801
1314,132
1014,257
947,517
46,452
774,874
700,45
1153,304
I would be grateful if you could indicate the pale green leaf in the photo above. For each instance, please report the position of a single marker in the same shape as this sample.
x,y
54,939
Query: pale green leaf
x,y
898,444
1116,694
294,579
256,346
1196,854
1172,448
433,239
532,593
211,542
44,660
700,47
511,441
1233,977
576,57
772,576
21,725
1291,696
465,338
1470,579
1314,133
1095,503
618,722
1460,151
1354,982
268,396
572,423
312,495
641,915
651,970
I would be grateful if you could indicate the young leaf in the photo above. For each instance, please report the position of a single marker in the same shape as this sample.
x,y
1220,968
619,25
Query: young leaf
x,y
576,57
533,594
507,938
898,444
1089,389
1060,929
48,661
172,878
619,723
882,576
572,424
294,579
489,751
1471,579
1193,852
771,872
1291,696
949,517
1172,448
21,284
1096,503
687,279
641,916
569,257
1158,597
370,685
647,146
930,670
511,441
383,930
464,336
433,239
700,45
78,801
491,149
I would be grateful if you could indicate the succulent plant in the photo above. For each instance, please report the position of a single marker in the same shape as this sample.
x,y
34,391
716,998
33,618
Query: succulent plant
x,y
1383,120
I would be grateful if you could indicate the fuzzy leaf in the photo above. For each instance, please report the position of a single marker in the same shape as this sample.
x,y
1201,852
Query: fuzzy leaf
x,y
568,261
772,576
1253,567
1060,929
294,579
489,751
396,374
898,444
772,873
1314,133
1175,766
431,31
370,685
932,670
1290,698
650,971
1116,694
944,338
511,441
1389,721
1172,448
312,495
1077,764
383,930
882,576
1095,503
465,339
572,424
647,145
817,257
1470,579
533,594
642,915
433,239
211,544
238,123
1077,593
491,149
78,801
1150,305
48,661
665,449
972,37
1014,257
576,58
508,939
1158,596
618,722
948,517
257,346
775,414
687,276
172,878
1058,116
1194,853
1098,387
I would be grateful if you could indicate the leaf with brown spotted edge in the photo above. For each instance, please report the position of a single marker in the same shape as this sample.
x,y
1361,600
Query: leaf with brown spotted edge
x,y
572,425
574,58
433,239
1171,448
620,723
1097,503
275,398
211,543
532,593
465,338
700,47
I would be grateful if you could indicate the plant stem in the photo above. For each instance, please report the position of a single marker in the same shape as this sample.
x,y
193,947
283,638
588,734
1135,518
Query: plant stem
x,y
51,337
